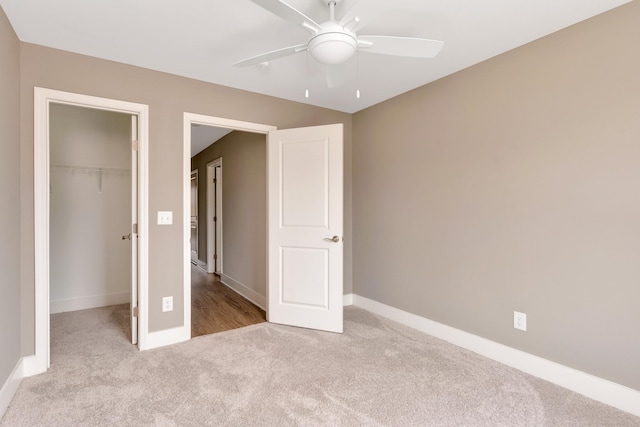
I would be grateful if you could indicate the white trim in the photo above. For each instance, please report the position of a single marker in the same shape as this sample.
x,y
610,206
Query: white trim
x,y
42,99
185,330
245,291
200,119
596,388
347,299
202,266
10,386
188,120
31,366
167,337
83,303
133,244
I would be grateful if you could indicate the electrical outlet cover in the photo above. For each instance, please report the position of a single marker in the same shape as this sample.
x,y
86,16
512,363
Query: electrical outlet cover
x,y
165,217
520,320
167,304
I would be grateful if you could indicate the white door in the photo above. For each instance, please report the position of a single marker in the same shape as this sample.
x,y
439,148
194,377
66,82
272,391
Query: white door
x,y
305,180
134,229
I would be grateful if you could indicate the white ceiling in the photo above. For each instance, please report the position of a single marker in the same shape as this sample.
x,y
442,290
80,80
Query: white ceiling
x,y
204,136
200,39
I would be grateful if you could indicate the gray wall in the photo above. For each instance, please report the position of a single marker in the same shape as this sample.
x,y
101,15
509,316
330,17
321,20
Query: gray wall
x,y
514,185
244,206
9,199
168,98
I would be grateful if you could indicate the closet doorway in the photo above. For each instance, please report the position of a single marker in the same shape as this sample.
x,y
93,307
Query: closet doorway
x,y
90,212
100,177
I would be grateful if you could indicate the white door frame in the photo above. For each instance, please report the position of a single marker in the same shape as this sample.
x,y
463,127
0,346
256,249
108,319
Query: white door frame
x,y
200,119
214,208
42,99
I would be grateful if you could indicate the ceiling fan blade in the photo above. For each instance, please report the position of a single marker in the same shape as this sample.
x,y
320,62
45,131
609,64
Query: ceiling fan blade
x,y
336,75
400,46
275,54
289,13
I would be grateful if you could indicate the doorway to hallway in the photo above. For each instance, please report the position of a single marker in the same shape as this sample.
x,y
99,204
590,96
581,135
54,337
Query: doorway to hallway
x,y
228,280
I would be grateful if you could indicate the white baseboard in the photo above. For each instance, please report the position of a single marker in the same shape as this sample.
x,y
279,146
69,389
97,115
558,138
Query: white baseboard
x,y
83,303
200,264
166,337
33,365
245,291
347,299
10,386
596,388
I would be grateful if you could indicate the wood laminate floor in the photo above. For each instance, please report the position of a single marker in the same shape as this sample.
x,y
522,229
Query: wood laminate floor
x,y
216,308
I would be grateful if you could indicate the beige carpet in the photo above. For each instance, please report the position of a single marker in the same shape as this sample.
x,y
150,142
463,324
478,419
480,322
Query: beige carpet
x,y
377,373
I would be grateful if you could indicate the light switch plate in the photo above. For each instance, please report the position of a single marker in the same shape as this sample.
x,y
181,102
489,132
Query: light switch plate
x,y
165,217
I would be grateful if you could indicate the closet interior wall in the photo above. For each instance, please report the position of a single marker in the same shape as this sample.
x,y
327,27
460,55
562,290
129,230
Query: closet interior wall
x,y
90,208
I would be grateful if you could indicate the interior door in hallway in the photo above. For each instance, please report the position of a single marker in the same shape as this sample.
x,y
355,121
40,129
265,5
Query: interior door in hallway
x,y
194,216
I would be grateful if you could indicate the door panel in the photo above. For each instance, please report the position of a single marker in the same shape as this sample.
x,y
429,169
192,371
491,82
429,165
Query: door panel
x,y
296,264
305,213
304,183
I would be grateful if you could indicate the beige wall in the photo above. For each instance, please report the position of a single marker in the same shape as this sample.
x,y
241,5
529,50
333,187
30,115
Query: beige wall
x,y
514,185
168,98
9,198
244,207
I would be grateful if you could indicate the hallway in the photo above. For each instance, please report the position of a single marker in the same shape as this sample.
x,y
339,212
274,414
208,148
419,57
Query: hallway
x,y
216,308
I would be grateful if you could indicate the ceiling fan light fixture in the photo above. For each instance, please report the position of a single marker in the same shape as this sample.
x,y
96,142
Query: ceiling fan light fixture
x,y
332,48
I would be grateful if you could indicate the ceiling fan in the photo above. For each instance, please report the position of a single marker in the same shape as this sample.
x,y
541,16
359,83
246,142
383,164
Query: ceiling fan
x,y
333,43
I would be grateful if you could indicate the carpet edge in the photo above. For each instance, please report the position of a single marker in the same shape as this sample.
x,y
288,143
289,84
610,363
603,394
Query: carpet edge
x,y
596,388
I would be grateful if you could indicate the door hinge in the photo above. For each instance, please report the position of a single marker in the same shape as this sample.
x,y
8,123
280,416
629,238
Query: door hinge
x,y
134,144
215,180
135,311
215,256
215,218
135,228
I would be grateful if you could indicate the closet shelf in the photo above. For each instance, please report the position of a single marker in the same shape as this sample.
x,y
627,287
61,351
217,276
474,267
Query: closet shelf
x,y
100,171
91,169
